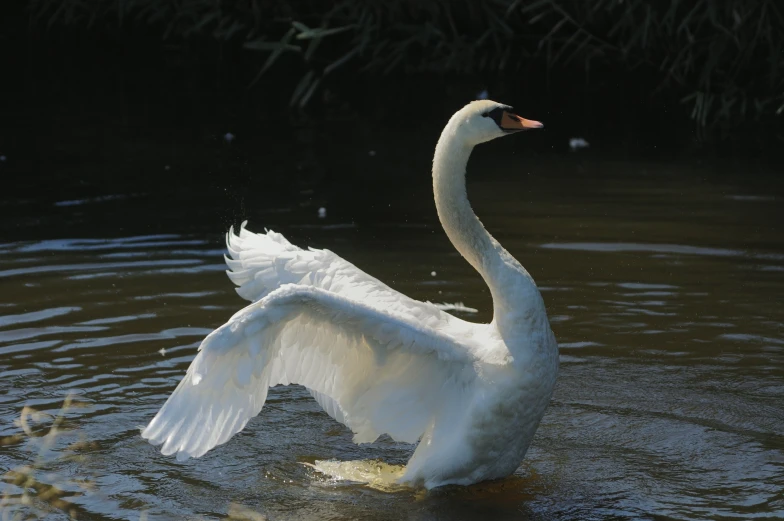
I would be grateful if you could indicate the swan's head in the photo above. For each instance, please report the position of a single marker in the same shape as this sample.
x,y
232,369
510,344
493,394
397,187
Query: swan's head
x,y
483,120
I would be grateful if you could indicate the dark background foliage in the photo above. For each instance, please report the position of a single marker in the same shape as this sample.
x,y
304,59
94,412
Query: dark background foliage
x,y
723,58
656,77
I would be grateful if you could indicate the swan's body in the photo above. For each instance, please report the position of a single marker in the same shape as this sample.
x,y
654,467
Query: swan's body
x,y
376,360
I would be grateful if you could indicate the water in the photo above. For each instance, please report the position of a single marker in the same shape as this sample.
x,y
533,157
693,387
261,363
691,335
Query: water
x,y
663,283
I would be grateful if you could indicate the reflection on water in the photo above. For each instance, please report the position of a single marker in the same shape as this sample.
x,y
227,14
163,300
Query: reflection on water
x,y
664,293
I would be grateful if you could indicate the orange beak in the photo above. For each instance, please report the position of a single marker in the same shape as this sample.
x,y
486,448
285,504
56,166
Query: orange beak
x,y
514,122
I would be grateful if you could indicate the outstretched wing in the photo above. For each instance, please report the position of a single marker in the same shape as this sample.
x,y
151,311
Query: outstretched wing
x,y
261,262
378,371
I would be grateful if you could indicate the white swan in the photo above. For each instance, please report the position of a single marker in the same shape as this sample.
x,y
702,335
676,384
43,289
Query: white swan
x,y
376,360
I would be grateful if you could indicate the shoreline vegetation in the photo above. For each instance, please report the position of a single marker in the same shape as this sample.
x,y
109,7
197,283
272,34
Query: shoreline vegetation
x,y
719,63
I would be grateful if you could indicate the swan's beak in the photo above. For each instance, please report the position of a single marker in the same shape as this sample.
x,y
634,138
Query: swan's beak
x,y
514,123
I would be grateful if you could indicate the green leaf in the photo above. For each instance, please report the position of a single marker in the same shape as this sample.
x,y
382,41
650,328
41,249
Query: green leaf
x,y
310,34
282,46
340,61
301,87
262,45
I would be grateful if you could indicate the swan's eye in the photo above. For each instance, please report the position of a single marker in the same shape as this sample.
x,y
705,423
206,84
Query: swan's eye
x,y
497,113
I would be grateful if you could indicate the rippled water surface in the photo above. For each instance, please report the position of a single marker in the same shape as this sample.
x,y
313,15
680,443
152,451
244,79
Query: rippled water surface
x,y
664,288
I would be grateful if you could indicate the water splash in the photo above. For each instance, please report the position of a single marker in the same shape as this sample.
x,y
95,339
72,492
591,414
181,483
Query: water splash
x,y
372,473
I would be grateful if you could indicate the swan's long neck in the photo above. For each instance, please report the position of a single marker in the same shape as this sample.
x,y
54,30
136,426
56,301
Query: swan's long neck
x,y
461,224
518,308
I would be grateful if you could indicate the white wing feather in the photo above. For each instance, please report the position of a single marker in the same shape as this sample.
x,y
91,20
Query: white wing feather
x,y
373,369
260,263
